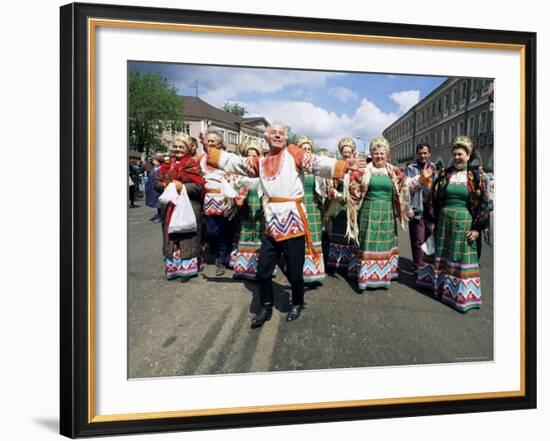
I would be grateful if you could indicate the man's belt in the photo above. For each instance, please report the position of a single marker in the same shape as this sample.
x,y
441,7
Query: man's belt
x,y
303,216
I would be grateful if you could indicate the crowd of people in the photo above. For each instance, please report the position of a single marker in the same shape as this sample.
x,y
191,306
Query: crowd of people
x,y
301,211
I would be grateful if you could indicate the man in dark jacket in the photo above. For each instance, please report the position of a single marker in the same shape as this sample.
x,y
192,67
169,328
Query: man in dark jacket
x,y
418,228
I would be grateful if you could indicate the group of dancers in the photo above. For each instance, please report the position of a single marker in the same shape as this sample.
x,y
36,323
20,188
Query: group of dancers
x,y
313,210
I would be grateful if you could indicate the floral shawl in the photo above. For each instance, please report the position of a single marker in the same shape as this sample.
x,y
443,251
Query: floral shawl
x,y
356,186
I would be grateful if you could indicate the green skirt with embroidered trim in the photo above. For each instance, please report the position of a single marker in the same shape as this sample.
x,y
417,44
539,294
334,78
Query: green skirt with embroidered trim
x,y
314,270
375,263
245,262
453,272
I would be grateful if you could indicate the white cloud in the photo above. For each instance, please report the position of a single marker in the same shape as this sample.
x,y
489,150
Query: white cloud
x,y
216,86
342,93
324,126
406,99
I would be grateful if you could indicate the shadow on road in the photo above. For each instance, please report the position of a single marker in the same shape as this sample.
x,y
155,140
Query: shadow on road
x,y
281,293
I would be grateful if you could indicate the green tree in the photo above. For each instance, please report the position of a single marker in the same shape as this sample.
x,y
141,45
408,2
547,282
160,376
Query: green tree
x,y
235,108
154,106
291,137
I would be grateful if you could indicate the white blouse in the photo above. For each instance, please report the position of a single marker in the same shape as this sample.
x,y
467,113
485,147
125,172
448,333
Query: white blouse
x,y
459,177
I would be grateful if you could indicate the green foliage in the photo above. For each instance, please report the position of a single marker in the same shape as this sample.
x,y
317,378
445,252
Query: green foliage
x,y
235,108
291,137
154,106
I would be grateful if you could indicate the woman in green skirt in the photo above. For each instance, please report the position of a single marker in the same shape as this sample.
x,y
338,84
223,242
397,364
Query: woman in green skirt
x,y
314,267
248,201
380,198
458,207
340,249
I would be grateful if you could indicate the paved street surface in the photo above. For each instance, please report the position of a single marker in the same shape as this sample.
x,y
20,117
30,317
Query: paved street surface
x,y
203,326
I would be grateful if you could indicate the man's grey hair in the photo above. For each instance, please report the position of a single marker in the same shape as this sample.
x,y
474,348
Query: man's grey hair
x,y
269,127
218,133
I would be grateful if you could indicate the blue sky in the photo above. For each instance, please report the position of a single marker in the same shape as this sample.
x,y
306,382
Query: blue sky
x,y
324,105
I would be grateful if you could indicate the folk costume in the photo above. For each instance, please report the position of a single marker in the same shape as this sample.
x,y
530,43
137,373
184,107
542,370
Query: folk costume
x,y
217,207
181,251
286,223
314,265
248,201
341,249
376,202
458,205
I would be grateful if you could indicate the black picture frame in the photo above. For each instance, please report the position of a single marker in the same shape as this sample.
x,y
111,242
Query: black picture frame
x,y
76,374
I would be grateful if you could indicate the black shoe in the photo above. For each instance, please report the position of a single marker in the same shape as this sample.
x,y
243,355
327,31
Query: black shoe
x,y
262,316
294,312
220,270
184,279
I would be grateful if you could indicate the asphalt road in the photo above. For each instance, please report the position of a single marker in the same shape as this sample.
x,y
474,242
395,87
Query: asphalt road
x,y
203,326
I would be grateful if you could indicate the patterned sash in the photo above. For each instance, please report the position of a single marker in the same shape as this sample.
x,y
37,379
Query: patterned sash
x,y
303,216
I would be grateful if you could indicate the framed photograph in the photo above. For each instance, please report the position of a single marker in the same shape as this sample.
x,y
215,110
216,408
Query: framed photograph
x,y
155,340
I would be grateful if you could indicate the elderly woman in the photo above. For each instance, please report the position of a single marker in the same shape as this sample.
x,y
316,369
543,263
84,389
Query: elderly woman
x,y
248,201
458,207
314,266
340,247
181,250
217,204
382,195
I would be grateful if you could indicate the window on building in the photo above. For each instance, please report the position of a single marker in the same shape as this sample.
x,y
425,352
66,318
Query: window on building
x,y
436,143
451,133
446,102
453,96
482,122
439,105
464,86
471,126
474,85
461,127
233,138
444,136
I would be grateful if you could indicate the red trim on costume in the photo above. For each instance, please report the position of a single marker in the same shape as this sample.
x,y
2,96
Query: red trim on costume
x,y
272,164
297,154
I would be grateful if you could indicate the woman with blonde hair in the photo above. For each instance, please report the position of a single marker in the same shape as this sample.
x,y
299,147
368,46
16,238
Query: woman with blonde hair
x,y
376,202
340,249
248,202
314,266
458,207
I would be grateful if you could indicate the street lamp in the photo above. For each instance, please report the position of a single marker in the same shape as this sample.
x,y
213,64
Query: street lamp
x,y
364,145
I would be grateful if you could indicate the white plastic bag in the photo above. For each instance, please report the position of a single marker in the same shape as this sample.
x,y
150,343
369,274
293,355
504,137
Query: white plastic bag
x,y
429,246
183,217
228,190
169,194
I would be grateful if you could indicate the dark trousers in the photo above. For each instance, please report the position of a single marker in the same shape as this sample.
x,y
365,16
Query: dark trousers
x,y
418,233
219,231
132,194
293,251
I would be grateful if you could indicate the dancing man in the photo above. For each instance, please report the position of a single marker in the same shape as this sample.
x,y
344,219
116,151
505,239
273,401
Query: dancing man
x,y
286,226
